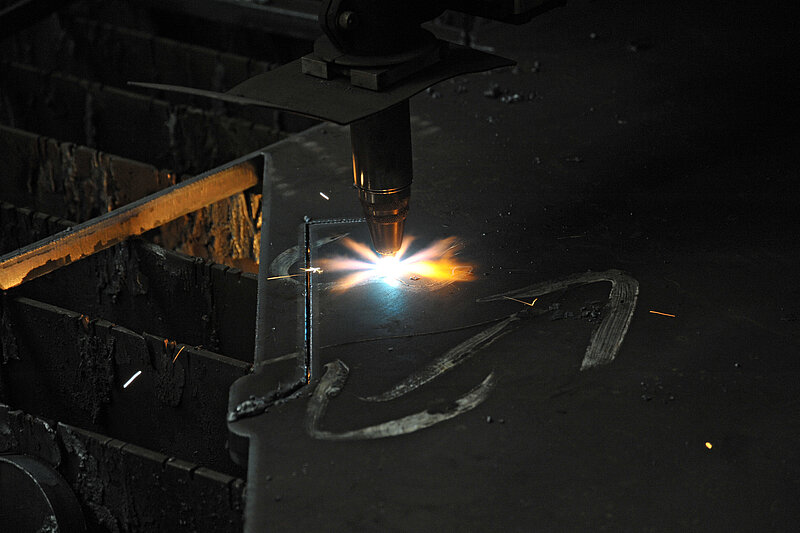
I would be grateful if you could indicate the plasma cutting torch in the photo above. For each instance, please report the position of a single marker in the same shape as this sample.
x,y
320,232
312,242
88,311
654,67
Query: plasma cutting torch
x,y
380,45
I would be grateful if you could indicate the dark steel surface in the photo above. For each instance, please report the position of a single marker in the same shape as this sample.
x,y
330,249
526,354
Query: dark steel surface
x,y
648,139
658,140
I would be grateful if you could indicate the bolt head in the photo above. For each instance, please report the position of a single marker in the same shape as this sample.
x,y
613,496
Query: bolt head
x,y
348,20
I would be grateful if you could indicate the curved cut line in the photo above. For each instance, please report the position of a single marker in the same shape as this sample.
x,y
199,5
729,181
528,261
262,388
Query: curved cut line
x,y
331,385
606,340
451,359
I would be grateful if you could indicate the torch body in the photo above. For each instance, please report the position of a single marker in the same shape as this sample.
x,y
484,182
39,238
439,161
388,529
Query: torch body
x,y
382,170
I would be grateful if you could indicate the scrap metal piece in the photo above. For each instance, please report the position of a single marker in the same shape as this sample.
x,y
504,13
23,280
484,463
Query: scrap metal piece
x,y
113,227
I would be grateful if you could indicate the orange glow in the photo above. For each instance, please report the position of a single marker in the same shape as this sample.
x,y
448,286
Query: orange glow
x,y
521,301
177,354
708,445
662,314
436,263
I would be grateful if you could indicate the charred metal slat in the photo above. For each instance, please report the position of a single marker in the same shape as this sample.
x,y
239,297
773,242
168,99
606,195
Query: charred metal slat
x,y
113,55
21,432
135,218
72,369
65,107
124,487
71,181
78,183
145,288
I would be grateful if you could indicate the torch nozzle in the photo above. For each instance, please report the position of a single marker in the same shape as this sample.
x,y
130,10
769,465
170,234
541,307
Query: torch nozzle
x,y
382,171
386,217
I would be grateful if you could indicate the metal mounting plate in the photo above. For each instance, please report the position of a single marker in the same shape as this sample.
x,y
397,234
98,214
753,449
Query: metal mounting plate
x,y
336,100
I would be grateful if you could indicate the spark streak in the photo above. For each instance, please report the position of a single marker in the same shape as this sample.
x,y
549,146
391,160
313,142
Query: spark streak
x,y
313,270
177,354
662,314
136,375
521,301
324,195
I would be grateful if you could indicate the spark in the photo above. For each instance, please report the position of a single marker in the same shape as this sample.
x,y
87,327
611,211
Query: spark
x,y
313,270
286,276
136,375
662,314
521,301
177,354
708,445
437,262
324,195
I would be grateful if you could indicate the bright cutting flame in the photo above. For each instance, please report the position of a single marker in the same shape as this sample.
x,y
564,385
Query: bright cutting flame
x,y
437,262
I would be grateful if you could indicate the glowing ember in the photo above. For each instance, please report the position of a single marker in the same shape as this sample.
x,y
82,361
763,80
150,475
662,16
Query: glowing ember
x,y
177,354
708,445
437,263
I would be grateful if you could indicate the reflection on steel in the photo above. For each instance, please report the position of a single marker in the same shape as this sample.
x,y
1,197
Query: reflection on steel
x,y
448,361
331,385
135,218
607,338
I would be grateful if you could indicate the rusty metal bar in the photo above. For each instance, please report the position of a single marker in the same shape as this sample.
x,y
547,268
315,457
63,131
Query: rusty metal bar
x,y
135,218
